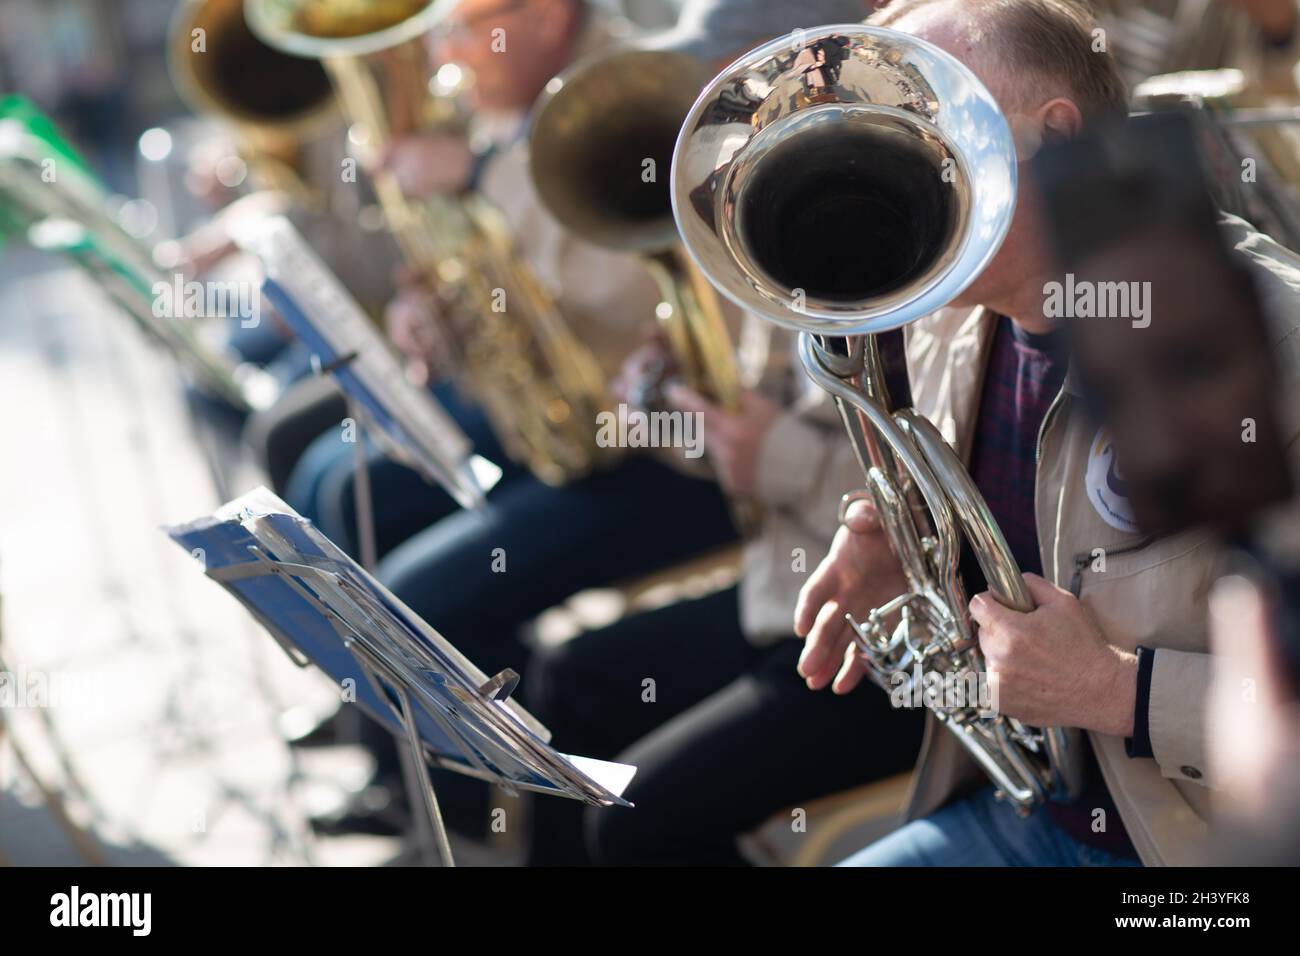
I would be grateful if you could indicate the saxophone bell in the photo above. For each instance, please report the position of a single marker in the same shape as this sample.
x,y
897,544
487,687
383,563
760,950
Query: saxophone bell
x,y
274,103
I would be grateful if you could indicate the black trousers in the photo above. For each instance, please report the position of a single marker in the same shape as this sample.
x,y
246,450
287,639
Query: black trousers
x,y
278,436
724,735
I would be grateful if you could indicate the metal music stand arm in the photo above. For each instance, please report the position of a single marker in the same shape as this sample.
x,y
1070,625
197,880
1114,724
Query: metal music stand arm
x,y
365,503
431,829
362,496
415,770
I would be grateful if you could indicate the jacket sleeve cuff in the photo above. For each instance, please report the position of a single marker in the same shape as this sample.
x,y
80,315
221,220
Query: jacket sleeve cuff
x,y
1180,684
1139,745
789,460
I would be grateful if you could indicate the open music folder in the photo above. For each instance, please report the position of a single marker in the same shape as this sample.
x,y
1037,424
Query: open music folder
x,y
325,609
406,423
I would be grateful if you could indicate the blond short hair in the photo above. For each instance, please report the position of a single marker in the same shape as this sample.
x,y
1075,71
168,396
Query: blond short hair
x,y
1027,42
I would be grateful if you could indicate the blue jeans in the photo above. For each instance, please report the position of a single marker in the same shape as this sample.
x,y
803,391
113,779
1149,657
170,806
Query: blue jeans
x,y
477,576
631,519
267,346
983,831
259,344
634,518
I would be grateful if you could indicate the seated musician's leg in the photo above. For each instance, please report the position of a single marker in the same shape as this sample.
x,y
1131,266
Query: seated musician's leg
x,y
721,768
981,830
605,689
259,344
595,694
478,576
279,435
402,502
321,487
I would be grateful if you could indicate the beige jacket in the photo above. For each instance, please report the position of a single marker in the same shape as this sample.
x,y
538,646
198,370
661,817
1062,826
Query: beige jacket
x,y
805,465
1152,594
607,298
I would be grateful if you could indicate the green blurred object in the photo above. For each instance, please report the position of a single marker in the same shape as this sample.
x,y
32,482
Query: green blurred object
x,y
18,112
23,110
50,198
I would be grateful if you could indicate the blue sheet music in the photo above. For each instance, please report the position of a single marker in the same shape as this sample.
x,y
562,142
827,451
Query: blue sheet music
x,y
348,380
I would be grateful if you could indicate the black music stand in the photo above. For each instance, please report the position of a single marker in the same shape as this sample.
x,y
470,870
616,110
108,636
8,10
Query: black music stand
x,y
323,608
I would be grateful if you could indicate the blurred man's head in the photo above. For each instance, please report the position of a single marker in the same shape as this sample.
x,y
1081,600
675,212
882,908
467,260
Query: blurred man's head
x,y
1048,67
715,32
512,46
1176,394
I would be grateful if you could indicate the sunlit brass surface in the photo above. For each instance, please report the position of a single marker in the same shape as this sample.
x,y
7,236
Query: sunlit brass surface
x,y
845,182
275,104
540,387
600,147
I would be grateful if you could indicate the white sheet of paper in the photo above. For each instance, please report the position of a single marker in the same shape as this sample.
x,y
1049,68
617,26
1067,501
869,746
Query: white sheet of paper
x,y
614,777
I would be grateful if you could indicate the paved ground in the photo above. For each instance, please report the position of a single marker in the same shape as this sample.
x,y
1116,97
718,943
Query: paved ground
x,y
167,699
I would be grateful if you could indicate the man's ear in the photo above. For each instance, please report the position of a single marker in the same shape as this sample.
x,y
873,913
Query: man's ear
x,y
1059,119
1055,121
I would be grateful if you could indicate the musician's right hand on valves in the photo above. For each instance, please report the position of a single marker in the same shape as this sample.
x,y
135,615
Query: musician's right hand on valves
x,y
859,573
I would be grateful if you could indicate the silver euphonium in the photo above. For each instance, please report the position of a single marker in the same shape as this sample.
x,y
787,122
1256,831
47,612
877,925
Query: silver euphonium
x,y
844,182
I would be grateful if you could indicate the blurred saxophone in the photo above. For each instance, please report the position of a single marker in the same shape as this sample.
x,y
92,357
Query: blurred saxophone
x,y
540,387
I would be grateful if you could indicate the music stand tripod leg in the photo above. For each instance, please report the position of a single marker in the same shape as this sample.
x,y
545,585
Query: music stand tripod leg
x,y
367,548
420,777
368,551
363,497
81,840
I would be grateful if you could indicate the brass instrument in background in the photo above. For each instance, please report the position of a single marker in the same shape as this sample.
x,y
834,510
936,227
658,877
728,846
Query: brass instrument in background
x,y
1235,136
540,387
845,186
275,103
600,147
51,198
